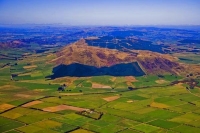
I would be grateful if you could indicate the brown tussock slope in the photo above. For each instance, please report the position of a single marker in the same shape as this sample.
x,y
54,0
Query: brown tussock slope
x,y
80,52
156,63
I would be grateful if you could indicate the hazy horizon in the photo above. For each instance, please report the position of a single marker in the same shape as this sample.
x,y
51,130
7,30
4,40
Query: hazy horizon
x,y
92,12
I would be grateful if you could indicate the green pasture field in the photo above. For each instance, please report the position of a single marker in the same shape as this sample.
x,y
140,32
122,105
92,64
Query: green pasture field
x,y
186,129
164,124
86,84
12,114
43,105
112,128
129,131
37,85
19,101
146,81
190,58
146,128
30,129
12,131
150,80
186,118
8,124
194,123
127,123
105,80
65,128
169,101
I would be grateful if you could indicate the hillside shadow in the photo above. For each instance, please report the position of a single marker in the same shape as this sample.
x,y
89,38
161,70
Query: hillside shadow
x,y
80,70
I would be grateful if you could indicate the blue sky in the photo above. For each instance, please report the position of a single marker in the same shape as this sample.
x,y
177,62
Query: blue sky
x,y
100,12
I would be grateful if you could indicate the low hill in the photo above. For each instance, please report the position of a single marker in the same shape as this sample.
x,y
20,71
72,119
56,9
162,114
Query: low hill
x,y
12,44
81,55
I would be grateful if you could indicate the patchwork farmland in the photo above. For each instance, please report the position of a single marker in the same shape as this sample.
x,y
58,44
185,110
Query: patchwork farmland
x,y
98,104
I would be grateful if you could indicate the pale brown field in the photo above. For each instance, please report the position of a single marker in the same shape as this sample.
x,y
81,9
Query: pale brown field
x,y
161,81
130,79
112,98
96,85
29,67
159,105
70,94
81,131
5,106
179,85
113,79
130,101
32,103
9,87
23,95
63,107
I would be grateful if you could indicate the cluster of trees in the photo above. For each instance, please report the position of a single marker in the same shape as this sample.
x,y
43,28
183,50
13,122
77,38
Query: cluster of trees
x,y
130,88
62,87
